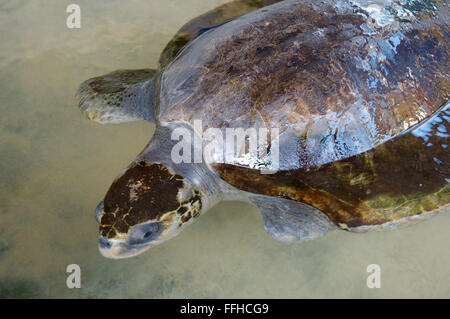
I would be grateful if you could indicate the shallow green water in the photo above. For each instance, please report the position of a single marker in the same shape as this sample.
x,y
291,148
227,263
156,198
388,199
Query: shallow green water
x,y
56,166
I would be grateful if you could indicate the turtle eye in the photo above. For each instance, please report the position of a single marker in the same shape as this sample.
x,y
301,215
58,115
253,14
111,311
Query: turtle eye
x,y
148,234
145,233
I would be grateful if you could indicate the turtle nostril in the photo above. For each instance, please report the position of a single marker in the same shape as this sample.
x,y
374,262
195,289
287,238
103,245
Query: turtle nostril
x,y
104,243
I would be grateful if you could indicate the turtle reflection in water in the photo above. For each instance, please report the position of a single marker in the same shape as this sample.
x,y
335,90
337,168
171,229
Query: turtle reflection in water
x,y
358,90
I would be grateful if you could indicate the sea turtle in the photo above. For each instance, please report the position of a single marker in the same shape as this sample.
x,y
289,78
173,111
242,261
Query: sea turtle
x,y
356,92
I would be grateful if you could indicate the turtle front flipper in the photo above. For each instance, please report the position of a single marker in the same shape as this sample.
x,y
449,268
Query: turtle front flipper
x,y
118,97
289,221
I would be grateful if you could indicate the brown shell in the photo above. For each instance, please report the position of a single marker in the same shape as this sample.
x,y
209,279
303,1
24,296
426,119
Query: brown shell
x,y
340,78
298,62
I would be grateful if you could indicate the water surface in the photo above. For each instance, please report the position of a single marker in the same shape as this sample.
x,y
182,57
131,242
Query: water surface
x,y
56,166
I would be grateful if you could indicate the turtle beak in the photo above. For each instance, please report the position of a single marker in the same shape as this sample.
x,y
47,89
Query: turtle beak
x,y
118,249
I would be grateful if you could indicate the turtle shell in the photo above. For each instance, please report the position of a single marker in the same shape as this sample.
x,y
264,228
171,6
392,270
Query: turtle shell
x,y
339,79
207,21
327,73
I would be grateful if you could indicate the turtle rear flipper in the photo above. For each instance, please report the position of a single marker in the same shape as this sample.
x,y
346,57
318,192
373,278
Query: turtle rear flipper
x,y
118,97
289,221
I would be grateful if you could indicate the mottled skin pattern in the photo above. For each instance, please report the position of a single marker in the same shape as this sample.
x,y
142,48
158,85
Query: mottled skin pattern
x,y
145,192
406,176
113,97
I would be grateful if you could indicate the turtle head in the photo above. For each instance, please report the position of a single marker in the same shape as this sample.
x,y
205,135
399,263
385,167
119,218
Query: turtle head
x,y
144,207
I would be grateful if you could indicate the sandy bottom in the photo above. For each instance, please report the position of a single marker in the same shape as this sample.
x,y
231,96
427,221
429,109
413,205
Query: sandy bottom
x,y
56,166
